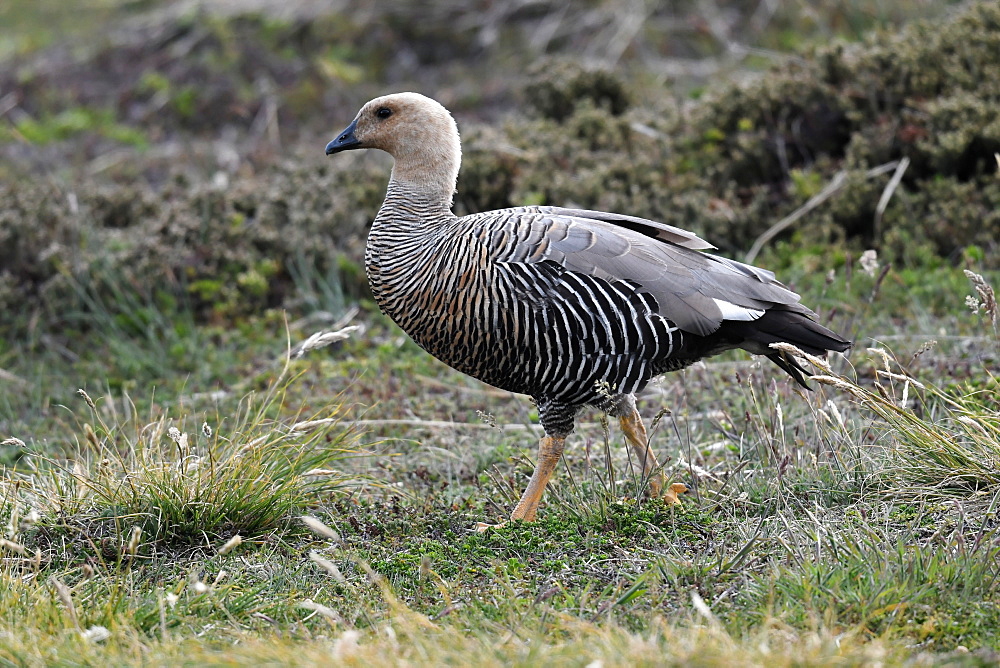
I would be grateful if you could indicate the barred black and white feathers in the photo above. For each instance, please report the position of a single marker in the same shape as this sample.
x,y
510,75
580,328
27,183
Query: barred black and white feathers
x,y
572,307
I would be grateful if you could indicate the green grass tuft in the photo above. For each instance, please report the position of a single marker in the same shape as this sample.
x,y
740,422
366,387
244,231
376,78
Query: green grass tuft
x,y
145,487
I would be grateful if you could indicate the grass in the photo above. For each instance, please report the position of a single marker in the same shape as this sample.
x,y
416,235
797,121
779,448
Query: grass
x,y
853,524
160,483
30,26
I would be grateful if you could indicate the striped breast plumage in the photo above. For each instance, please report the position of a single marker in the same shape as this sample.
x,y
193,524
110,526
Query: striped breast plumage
x,y
480,294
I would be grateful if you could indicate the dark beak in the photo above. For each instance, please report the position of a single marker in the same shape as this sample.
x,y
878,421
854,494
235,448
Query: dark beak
x,y
345,141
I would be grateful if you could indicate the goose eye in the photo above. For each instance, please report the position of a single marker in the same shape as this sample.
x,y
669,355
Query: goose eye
x,y
384,112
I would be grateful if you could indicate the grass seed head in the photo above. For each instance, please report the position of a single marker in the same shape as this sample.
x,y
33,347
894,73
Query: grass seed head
x,y
987,301
835,412
133,541
883,354
900,377
835,381
328,566
180,439
307,426
231,545
318,527
11,546
30,519
869,262
66,597
818,362
321,609
323,339
346,645
974,424
96,634
86,397
91,435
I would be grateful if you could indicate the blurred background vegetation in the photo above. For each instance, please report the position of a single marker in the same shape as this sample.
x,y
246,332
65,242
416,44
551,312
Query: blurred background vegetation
x,y
170,153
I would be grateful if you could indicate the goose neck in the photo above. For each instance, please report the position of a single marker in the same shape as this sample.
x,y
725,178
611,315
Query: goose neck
x,y
410,203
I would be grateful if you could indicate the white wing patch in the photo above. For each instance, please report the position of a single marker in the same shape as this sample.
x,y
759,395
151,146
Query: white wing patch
x,y
731,311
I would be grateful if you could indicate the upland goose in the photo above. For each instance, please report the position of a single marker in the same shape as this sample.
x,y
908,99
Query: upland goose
x,y
571,307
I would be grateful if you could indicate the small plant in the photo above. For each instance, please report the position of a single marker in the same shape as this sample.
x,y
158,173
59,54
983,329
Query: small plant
x,y
66,124
984,301
167,483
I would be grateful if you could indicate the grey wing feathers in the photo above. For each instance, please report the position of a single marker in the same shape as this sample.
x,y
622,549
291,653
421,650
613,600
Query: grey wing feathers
x,y
695,290
650,228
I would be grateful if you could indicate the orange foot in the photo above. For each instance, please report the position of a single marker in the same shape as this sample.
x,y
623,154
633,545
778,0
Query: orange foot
x,y
670,497
482,527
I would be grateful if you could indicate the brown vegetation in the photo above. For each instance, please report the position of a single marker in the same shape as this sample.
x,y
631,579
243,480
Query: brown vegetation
x,y
227,225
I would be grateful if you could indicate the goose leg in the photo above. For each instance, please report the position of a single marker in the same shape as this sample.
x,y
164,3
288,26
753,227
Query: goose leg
x,y
550,449
635,434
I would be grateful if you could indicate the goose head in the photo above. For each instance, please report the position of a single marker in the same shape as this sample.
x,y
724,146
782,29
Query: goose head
x,y
418,132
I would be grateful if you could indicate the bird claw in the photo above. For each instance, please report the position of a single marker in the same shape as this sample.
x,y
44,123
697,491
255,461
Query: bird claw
x,y
670,497
482,527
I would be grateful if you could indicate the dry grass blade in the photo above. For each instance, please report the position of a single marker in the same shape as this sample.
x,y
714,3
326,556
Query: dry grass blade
x,y
890,188
323,339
